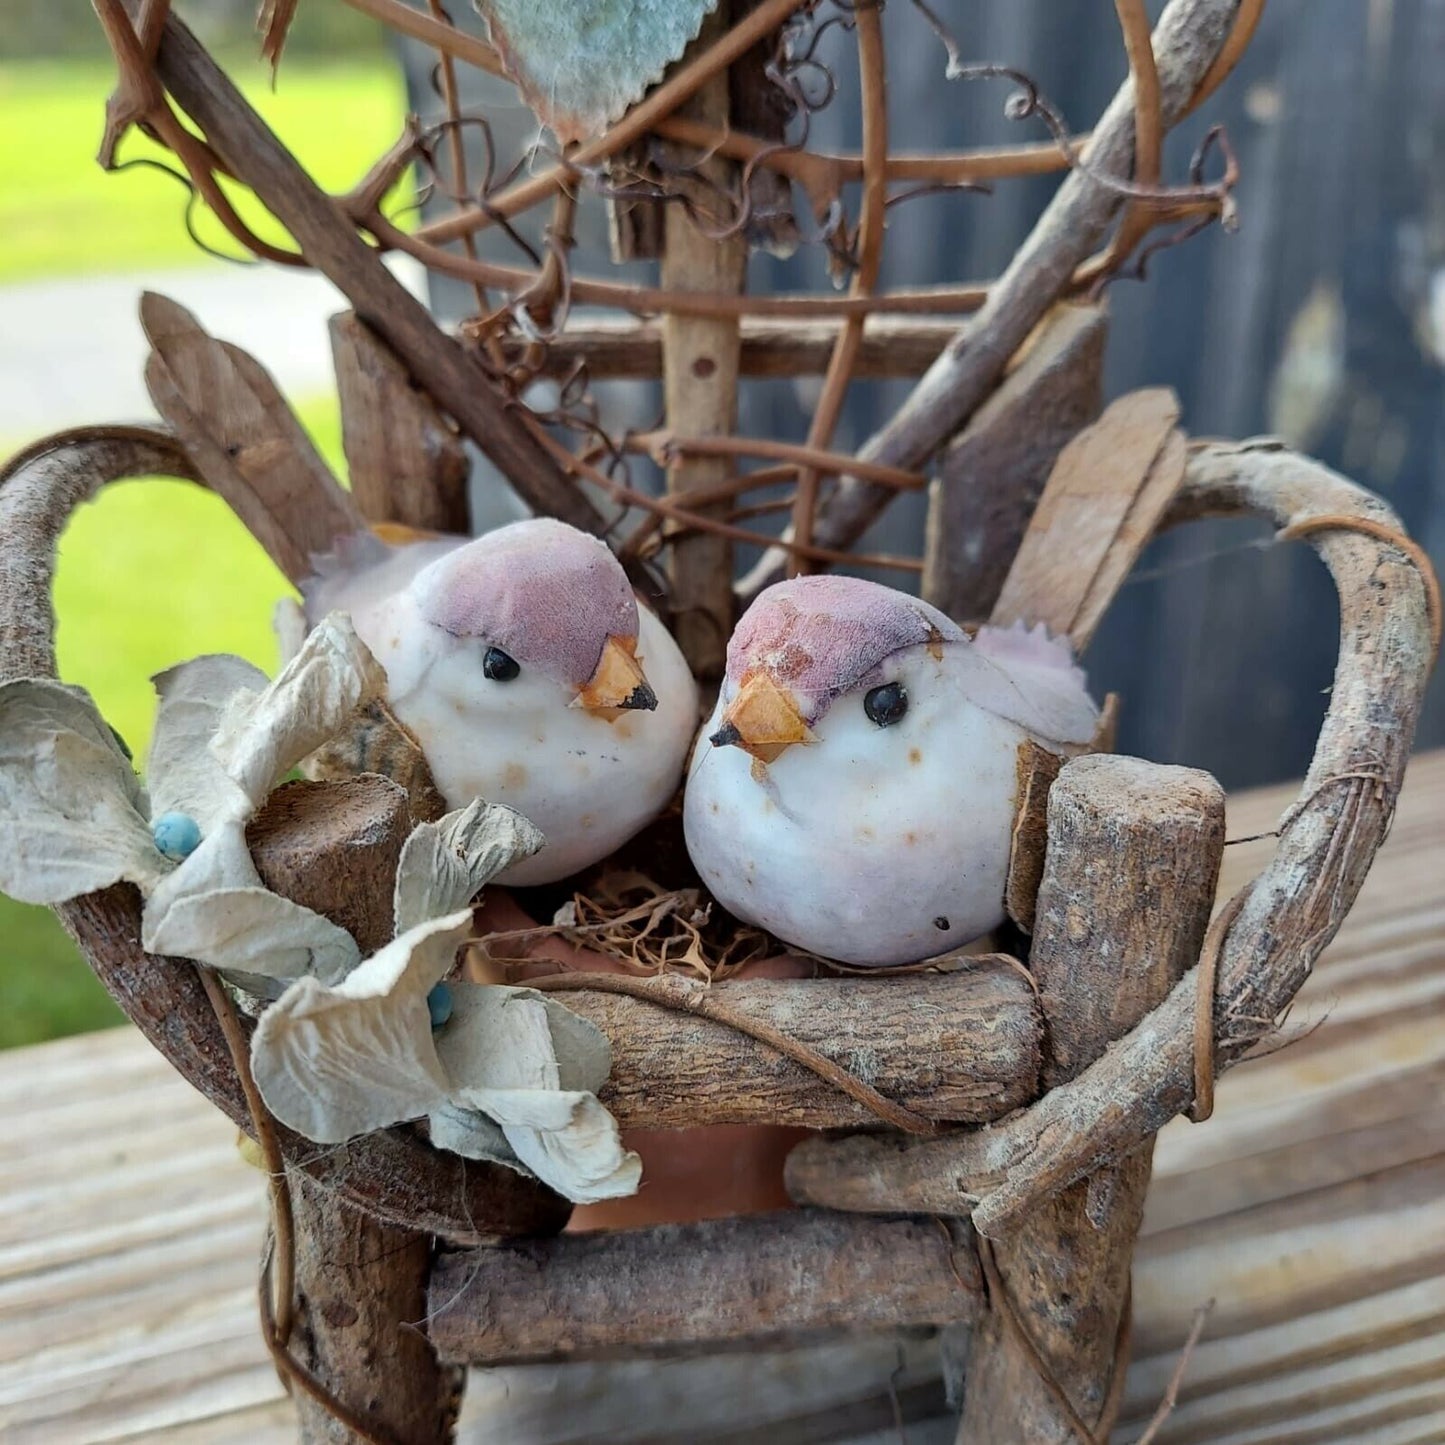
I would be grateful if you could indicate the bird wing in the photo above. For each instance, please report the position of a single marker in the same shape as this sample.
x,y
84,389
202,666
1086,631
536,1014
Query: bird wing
x,y
1030,679
364,570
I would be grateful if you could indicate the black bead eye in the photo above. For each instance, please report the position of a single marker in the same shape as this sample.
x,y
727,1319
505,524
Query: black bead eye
x,y
886,705
498,666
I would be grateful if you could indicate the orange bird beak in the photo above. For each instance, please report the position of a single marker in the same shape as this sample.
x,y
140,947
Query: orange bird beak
x,y
618,683
763,719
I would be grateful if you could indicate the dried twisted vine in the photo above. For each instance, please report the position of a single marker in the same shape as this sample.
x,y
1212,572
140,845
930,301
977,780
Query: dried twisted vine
x,y
1098,163
1265,952
1186,45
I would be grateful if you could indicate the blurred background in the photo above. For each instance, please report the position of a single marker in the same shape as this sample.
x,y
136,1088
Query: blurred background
x,y
1322,320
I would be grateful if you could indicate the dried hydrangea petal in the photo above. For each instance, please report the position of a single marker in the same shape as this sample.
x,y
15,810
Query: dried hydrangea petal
x,y
71,807
184,775
531,1065
501,1037
445,864
566,1138
261,736
336,1062
471,1134
215,909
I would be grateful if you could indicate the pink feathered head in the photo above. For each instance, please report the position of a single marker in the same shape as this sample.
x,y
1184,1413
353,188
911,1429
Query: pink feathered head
x,y
547,594
823,636
820,637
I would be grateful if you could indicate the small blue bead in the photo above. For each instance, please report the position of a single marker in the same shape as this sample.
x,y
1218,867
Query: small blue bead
x,y
177,835
439,1005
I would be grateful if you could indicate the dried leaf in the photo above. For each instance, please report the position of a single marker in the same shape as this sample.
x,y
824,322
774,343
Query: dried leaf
x,y
184,774
263,735
274,21
336,1062
532,1065
224,737
215,909
1135,531
245,439
1079,524
568,1140
73,809
581,63
445,864
473,1135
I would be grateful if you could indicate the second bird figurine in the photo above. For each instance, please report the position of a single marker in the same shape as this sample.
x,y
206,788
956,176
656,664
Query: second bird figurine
x,y
854,791
524,666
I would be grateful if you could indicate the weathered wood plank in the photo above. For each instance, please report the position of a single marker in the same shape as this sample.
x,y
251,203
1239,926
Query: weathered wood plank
x,y
991,475
1122,467
244,438
406,464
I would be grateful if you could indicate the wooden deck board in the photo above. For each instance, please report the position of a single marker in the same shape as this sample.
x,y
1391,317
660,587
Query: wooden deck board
x,y
1312,1207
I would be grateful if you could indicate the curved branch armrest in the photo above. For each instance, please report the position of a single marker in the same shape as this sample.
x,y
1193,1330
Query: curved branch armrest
x,y
396,1174
1285,918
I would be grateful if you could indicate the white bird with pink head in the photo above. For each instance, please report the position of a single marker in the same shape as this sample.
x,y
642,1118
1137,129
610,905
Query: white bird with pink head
x,y
854,791
525,668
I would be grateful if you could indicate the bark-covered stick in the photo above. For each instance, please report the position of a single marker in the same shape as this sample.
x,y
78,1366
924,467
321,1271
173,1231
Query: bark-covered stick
x,y
700,382
963,1047
1133,859
406,464
892,347
721,1284
361,1291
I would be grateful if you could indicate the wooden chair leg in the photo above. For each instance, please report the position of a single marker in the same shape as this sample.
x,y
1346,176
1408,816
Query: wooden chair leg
x,y
1133,861
359,1332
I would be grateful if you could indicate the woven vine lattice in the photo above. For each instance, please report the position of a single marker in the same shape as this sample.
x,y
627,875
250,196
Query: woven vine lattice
x,y
659,151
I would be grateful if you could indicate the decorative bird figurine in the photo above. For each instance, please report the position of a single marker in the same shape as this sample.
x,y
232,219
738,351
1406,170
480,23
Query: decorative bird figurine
x,y
854,791
523,665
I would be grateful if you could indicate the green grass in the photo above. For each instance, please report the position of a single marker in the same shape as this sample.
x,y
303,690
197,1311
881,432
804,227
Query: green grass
x,y
150,574
60,214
